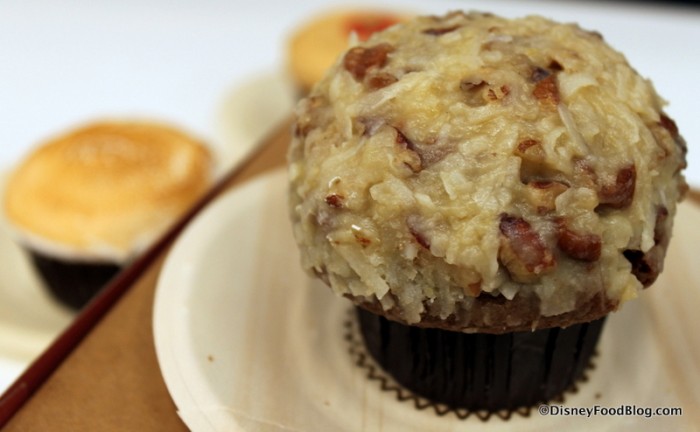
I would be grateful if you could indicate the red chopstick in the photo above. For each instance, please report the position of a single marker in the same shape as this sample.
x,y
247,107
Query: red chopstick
x,y
35,375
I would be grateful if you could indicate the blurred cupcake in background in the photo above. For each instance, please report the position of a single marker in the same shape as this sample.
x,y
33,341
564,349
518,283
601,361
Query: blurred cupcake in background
x,y
85,203
316,44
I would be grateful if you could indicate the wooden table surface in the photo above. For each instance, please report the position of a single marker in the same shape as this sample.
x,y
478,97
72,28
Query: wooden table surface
x,y
112,381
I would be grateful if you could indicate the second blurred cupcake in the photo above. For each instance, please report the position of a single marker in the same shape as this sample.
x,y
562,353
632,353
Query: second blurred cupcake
x,y
316,44
85,203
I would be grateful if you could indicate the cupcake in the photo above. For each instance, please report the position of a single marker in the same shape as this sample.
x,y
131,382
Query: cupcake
x,y
485,191
315,45
85,203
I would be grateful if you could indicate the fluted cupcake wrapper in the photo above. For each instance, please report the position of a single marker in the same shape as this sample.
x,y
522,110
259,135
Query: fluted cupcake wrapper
x,y
73,283
481,371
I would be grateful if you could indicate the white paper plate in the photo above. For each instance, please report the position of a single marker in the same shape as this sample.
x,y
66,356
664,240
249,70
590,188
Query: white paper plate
x,y
246,342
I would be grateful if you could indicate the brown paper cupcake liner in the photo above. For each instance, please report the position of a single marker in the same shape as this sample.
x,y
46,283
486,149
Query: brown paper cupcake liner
x,y
482,375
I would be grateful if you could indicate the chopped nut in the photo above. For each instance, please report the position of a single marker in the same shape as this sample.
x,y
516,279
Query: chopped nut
x,y
582,247
644,267
364,241
660,234
546,90
531,150
440,31
555,66
381,80
413,223
359,60
427,154
522,251
534,166
668,124
538,74
335,200
647,266
408,152
473,289
620,194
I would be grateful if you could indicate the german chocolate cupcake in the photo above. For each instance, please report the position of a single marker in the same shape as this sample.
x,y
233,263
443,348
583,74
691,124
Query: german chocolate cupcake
x,y
486,191
85,203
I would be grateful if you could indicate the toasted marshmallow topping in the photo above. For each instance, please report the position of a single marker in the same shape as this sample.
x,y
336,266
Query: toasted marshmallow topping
x,y
107,190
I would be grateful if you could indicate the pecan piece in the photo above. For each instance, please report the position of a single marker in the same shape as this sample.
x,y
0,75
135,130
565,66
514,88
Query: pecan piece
x,y
522,250
334,200
534,165
531,150
647,266
440,31
668,124
546,91
620,194
538,74
473,289
411,157
359,60
363,241
660,234
428,153
582,247
555,66
413,224
380,80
